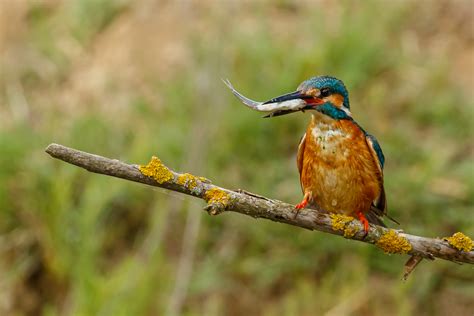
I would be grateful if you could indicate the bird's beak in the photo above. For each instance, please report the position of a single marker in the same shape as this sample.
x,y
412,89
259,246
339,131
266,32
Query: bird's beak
x,y
289,103
287,97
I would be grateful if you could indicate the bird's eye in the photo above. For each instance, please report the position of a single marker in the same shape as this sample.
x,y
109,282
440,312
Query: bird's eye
x,y
324,92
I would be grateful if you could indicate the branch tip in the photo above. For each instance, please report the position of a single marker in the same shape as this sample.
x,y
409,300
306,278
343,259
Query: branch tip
x,y
410,265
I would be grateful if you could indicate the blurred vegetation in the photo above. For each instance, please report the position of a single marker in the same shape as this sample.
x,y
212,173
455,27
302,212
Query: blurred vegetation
x,y
129,79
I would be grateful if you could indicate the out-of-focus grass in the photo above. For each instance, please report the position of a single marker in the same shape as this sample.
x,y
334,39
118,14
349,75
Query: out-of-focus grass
x,y
83,244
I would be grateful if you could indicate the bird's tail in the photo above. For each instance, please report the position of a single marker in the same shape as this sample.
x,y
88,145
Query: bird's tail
x,y
374,216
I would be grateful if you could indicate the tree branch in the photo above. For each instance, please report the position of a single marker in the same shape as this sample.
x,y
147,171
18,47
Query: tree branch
x,y
458,248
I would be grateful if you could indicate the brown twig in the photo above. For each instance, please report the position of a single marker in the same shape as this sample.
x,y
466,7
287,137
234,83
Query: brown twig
x,y
221,200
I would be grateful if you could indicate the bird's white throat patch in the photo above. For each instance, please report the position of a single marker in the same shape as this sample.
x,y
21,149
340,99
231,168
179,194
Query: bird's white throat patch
x,y
329,139
326,132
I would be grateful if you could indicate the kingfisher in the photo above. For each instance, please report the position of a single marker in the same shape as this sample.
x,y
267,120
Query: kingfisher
x,y
339,163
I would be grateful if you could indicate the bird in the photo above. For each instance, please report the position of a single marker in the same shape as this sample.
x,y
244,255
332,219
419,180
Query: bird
x,y
339,163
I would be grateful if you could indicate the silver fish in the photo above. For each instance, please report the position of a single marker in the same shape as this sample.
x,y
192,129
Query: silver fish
x,y
274,108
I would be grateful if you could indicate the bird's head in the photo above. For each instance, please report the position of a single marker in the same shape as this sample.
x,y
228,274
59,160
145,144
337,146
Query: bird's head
x,y
325,94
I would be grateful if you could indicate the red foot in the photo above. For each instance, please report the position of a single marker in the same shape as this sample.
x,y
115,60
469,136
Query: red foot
x,y
364,222
301,205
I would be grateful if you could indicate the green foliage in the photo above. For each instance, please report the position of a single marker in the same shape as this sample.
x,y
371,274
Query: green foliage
x,y
84,244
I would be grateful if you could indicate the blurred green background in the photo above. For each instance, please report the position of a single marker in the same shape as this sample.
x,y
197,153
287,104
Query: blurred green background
x,y
130,79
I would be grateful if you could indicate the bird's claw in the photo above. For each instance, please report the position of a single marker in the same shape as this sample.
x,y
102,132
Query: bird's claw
x,y
301,205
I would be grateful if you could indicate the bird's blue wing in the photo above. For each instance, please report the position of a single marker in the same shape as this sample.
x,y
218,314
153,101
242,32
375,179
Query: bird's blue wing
x,y
375,147
379,206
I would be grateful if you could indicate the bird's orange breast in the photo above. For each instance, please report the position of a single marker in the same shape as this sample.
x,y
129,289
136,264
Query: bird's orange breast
x,y
337,167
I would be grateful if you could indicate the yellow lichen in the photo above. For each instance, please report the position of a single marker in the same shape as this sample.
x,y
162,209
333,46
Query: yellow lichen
x,y
157,170
203,179
339,221
217,196
392,242
460,241
343,223
350,231
188,180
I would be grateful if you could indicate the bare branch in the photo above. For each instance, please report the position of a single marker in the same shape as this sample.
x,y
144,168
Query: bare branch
x,y
410,265
456,249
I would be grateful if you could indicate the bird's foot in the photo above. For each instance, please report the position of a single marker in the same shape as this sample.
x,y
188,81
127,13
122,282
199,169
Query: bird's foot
x,y
302,204
364,222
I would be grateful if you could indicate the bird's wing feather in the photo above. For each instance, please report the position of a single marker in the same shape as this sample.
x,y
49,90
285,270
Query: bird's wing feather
x,y
380,203
300,157
375,150
379,206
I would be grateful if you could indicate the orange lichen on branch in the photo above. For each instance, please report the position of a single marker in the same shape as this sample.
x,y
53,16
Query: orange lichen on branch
x,y
188,180
460,241
218,200
157,170
215,195
343,223
392,242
